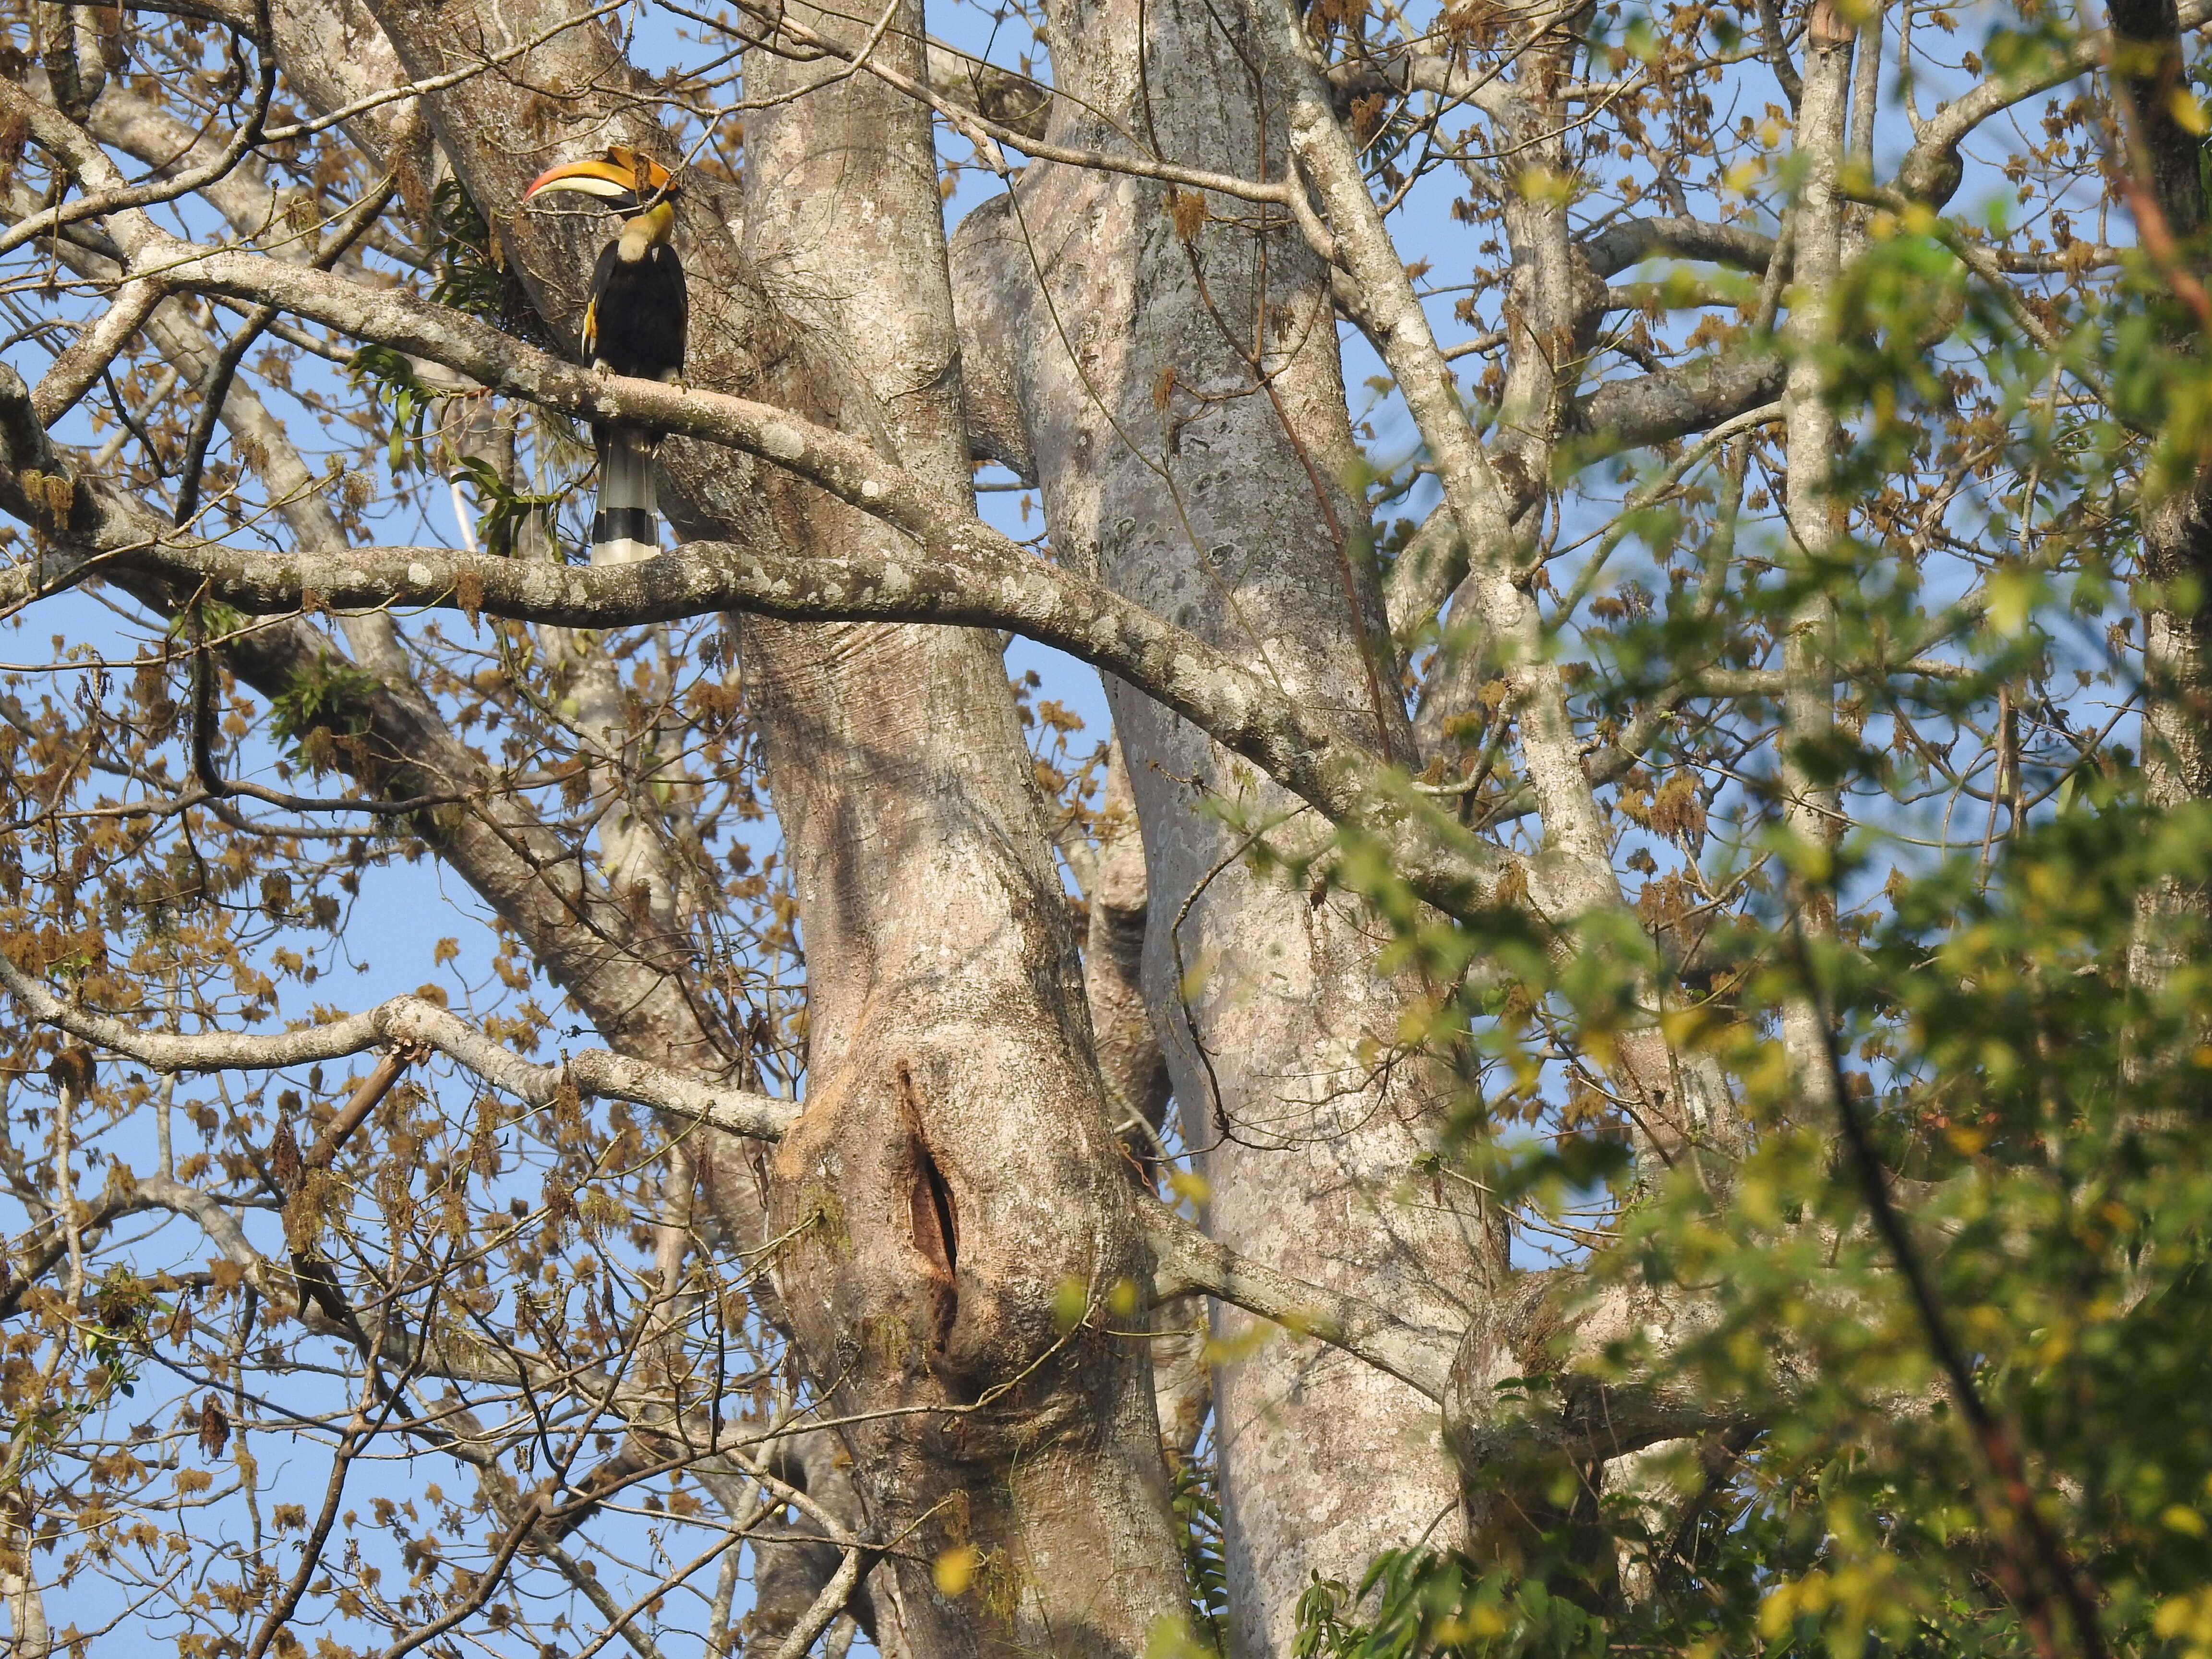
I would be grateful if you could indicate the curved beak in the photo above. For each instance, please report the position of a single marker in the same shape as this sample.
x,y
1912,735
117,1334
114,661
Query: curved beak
x,y
598,177
620,176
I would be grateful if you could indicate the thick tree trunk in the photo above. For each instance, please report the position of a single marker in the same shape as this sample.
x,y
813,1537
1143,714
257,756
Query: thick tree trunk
x,y
1812,808
953,1190
1178,384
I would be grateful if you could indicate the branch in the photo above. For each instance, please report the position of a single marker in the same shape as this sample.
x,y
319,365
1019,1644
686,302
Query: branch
x,y
982,583
1424,573
1931,169
1672,402
156,1192
1189,1260
1632,241
1576,872
827,1605
413,1020
979,579
1408,70
2019,1502
86,358
350,1116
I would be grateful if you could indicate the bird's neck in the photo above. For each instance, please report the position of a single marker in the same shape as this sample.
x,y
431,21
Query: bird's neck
x,y
650,229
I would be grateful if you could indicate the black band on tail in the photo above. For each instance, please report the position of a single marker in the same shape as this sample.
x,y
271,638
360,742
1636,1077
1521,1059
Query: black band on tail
x,y
626,523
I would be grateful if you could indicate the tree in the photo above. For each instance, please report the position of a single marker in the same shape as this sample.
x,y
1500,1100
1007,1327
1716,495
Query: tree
x,y
1657,861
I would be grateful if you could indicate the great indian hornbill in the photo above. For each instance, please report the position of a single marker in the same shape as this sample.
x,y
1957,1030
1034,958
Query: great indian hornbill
x,y
634,325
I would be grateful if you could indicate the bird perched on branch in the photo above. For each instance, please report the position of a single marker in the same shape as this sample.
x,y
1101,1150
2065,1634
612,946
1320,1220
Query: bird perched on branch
x,y
634,325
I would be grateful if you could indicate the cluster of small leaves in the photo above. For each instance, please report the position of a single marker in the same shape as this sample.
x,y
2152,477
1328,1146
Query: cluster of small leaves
x,y
507,514
2037,1100
391,380
1412,1603
317,702
2045,1115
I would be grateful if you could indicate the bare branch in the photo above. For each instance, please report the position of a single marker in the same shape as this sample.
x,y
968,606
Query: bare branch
x,y
1931,169
1630,242
827,1605
404,1020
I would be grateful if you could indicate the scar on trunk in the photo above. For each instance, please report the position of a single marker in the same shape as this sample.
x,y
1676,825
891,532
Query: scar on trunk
x,y
934,1220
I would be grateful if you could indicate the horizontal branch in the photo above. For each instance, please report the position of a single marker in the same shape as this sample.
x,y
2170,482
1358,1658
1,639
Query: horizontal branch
x,y
1632,241
139,1197
973,574
978,585
985,582
411,1020
1672,402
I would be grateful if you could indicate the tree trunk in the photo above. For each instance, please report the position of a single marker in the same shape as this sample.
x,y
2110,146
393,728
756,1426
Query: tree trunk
x,y
1180,392
959,1210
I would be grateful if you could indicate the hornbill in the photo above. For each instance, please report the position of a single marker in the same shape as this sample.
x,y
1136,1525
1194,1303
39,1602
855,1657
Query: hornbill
x,y
634,325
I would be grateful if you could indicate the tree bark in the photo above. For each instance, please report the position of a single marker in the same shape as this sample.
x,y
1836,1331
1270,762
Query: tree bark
x,y
1812,807
2167,198
954,1179
1179,388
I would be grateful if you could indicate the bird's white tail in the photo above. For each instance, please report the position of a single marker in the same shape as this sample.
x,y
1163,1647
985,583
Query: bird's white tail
x,y
626,527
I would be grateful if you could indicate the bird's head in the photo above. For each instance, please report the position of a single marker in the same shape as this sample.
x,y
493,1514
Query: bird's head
x,y
633,184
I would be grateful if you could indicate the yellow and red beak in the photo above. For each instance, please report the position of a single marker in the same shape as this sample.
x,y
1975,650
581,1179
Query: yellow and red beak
x,y
621,177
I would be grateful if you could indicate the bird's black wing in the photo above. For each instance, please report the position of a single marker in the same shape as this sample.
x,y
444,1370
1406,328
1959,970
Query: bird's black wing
x,y
683,312
601,274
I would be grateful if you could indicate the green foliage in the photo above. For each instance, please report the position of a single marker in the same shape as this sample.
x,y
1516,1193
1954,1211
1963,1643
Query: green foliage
x,y
1198,1525
2024,1026
410,408
216,621
390,378
1412,1602
2049,1113
473,275
317,702
506,509
1905,293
